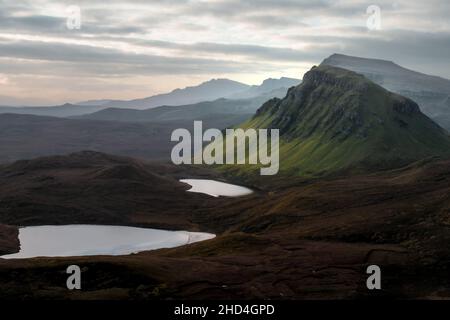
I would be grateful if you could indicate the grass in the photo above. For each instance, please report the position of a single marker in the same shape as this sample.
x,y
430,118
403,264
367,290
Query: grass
x,y
345,123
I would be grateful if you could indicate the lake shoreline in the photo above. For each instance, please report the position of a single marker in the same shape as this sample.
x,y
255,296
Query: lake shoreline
x,y
95,240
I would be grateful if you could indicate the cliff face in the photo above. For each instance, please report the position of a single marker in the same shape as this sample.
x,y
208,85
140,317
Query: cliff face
x,y
335,101
429,92
335,77
9,239
339,120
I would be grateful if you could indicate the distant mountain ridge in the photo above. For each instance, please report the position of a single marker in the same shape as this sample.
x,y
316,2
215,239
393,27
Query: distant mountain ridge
x,y
135,133
65,110
226,112
430,92
30,132
272,87
207,91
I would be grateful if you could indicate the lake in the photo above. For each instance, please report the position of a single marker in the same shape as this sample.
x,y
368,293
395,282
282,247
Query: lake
x,y
88,240
216,188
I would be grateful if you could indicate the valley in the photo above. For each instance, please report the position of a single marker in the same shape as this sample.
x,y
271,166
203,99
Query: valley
x,y
364,179
306,240
206,159
28,132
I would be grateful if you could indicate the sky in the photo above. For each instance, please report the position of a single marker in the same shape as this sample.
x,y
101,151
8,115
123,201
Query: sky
x,y
132,49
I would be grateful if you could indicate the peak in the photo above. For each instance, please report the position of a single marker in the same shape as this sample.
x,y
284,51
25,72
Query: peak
x,y
280,82
338,120
346,96
335,76
332,70
269,80
280,79
211,82
337,58
218,80
341,56
350,81
289,79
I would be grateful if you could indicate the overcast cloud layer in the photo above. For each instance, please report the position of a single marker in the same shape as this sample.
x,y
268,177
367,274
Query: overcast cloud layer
x,y
134,49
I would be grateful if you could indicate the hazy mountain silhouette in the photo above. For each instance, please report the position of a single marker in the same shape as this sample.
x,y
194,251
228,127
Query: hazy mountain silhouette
x,y
225,112
207,91
270,87
65,110
430,92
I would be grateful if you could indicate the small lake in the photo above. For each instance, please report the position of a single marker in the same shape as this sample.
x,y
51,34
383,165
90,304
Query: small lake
x,y
88,240
216,188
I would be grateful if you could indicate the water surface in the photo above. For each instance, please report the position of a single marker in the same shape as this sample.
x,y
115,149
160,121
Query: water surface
x,y
216,188
88,240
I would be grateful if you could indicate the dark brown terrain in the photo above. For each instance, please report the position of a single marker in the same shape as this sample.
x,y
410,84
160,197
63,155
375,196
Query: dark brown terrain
x,y
92,187
25,136
30,136
9,240
302,240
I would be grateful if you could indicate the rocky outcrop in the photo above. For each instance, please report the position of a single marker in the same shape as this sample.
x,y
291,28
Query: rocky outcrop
x,y
337,120
336,101
429,92
406,106
335,77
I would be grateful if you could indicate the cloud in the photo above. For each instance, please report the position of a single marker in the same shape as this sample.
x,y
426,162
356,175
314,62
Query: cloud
x,y
3,79
196,39
97,61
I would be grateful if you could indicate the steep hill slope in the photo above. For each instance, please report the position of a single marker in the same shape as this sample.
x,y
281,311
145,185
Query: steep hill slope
x,y
338,120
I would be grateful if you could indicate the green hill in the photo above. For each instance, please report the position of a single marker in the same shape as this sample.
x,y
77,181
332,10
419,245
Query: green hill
x,y
338,120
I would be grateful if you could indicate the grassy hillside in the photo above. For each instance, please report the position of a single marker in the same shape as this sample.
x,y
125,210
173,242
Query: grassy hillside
x,y
337,120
